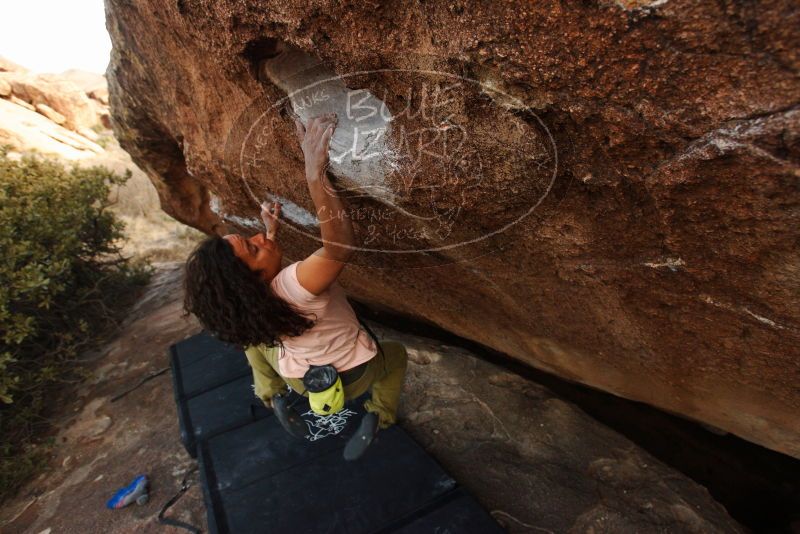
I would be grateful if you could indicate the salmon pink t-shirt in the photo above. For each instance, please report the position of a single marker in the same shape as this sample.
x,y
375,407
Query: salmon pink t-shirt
x,y
336,338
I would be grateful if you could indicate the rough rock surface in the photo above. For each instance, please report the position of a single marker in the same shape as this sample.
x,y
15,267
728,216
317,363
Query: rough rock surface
x,y
650,149
529,457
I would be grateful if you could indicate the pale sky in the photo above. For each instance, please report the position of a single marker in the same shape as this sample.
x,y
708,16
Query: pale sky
x,y
55,35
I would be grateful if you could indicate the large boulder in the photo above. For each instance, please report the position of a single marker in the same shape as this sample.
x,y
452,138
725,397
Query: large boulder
x,y
605,190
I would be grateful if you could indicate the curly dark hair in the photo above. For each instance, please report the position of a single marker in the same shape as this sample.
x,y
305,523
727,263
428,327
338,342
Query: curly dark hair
x,y
233,302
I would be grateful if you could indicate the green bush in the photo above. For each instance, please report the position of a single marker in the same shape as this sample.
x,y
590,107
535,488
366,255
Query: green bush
x,y
63,287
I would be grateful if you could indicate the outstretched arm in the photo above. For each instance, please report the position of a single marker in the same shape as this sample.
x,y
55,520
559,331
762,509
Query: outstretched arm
x,y
317,272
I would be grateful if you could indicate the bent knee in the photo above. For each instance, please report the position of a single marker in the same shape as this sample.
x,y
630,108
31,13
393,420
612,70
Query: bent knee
x,y
395,353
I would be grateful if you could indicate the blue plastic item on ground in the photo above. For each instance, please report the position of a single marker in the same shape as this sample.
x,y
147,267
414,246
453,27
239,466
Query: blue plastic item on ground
x,y
135,492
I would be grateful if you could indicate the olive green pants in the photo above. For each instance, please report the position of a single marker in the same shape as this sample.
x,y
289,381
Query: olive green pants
x,y
383,376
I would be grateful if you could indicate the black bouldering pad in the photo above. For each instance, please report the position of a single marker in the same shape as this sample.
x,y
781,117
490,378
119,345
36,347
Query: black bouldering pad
x,y
260,480
257,478
234,403
455,512
202,362
216,409
212,383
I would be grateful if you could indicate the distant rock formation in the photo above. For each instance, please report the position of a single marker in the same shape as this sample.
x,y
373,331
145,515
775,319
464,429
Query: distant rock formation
x,y
51,113
6,65
95,87
606,190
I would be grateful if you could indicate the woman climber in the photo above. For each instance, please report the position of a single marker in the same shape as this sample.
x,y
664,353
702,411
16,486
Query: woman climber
x,y
295,322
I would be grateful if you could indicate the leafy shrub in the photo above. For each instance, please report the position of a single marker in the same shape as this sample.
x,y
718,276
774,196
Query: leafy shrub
x,y
63,287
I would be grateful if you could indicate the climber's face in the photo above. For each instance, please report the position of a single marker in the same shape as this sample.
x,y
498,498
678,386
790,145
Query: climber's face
x,y
260,254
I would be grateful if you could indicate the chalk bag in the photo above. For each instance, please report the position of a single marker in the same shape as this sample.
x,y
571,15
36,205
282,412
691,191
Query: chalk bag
x,y
325,389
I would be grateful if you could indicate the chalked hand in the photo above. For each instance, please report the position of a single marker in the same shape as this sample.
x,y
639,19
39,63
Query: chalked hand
x,y
315,140
270,214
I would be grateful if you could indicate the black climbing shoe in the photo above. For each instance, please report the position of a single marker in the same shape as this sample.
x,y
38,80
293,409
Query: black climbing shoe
x,y
288,417
358,442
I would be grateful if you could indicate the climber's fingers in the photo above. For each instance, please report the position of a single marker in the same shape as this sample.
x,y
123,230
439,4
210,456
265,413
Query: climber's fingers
x,y
321,127
316,129
270,211
326,137
319,124
315,142
270,215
